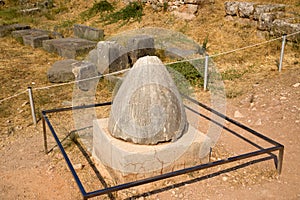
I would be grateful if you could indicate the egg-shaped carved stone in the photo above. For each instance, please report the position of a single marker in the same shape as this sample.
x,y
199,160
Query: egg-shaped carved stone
x,y
147,108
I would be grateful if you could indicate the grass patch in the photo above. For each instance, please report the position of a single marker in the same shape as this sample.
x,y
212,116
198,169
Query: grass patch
x,y
233,93
132,12
188,72
9,16
98,7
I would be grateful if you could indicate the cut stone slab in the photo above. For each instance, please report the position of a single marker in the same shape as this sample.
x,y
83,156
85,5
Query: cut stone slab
x,y
34,37
7,29
69,47
148,108
139,46
127,161
61,71
84,72
110,56
87,32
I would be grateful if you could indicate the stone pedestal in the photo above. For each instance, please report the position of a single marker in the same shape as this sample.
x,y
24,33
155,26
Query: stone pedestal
x,y
126,161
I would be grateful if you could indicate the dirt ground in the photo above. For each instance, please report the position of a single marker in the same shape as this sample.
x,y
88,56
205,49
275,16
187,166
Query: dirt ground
x,y
262,99
271,106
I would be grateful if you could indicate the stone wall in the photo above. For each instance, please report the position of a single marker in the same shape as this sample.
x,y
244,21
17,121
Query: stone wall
x,y
271,18
184,9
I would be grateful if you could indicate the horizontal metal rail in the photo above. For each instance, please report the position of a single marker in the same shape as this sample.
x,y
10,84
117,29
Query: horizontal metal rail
x,y
233,121
180,172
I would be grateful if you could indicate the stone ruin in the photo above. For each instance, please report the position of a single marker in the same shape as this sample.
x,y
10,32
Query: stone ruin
x,y
271,19
147,132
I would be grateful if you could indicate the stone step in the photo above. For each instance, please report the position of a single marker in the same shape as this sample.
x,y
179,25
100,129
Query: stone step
x,y
69,47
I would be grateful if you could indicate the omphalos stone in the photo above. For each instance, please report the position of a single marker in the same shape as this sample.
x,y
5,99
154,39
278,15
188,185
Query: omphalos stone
x,y
148,108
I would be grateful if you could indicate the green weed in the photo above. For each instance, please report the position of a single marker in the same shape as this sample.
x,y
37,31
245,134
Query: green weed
x,y
133,11
189,72
98,7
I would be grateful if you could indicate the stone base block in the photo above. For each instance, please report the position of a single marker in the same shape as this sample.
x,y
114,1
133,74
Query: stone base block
x,y
69,47
126,161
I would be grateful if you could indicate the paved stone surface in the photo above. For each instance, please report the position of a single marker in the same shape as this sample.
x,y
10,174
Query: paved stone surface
x,y
148,108
61,71
87,32
69,47
7,29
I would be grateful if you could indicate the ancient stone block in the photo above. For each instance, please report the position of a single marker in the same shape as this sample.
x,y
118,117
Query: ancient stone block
x,y
69,47
246,9
139,46
148,108
265,21
85,73
259,9
179,53
34,41
34,37
61,71
128,162
7,29
283,26
111,57
87,32
231,8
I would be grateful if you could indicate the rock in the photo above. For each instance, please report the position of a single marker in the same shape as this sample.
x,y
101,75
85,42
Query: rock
x,y
183,15
179,53
35,41
61,71
88,33
30,11
265,21
78,166
259,9
34,37
258,122
237,114
69,47
140,46
283,26
224,178
245,9
85,70
192,9
7,29
111,57
147,108
231,8
296,85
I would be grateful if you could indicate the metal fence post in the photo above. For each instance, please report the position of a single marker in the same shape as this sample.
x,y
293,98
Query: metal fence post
x,y
282,52
205,72
32,106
